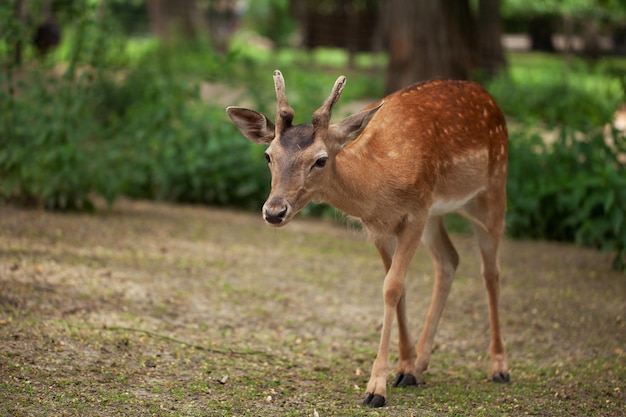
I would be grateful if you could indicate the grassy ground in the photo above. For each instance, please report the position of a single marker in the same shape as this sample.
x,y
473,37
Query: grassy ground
x,y
152,309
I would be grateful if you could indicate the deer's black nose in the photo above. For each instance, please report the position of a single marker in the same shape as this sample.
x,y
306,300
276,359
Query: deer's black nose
x,y
275,215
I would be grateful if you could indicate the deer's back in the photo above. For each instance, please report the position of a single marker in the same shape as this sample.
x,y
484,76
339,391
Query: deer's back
x,y
445,138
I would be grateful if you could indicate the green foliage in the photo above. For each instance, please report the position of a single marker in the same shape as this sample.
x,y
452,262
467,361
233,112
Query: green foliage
x,y
574,188
51,153
545,90
102,127
571,190
605,9
181,149
272,19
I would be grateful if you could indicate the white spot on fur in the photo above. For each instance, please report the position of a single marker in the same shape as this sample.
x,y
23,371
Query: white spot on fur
x,y
479,155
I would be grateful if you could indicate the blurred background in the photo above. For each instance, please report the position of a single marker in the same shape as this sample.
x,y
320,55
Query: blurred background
x,y
101,99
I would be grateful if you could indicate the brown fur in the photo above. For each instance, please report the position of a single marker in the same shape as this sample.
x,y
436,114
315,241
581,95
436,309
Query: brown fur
x,y
424,151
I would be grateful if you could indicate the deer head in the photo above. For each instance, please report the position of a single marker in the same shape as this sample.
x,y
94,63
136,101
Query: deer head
x,y
300,157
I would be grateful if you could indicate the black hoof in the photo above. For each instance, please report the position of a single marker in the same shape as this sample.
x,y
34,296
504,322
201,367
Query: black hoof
x,y
501,377
404,380
374,400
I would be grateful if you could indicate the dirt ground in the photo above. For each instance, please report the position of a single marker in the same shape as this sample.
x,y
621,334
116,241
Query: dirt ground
x,y
155,309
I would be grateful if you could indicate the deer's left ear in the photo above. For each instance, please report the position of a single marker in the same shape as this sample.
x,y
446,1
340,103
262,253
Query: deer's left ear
x,y
352,126
252,124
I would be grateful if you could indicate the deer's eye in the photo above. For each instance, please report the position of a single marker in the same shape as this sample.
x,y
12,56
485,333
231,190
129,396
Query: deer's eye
x,y
321,162
267,158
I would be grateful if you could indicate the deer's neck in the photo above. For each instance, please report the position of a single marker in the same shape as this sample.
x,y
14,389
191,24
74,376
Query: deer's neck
x,y
361,185
351,185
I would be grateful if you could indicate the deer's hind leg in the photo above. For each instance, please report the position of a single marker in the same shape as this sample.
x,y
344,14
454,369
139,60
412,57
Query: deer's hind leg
x,y
445,261
488,229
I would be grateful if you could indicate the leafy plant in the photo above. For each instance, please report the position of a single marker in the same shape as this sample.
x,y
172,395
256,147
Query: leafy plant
x,y
50,153
555,94
142,131
571,190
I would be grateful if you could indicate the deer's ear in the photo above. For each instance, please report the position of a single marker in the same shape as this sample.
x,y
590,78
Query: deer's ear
x,y
352,126
252,124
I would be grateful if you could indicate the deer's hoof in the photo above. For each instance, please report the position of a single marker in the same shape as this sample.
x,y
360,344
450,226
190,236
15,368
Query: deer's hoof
x,y
501,377
374,400
404,380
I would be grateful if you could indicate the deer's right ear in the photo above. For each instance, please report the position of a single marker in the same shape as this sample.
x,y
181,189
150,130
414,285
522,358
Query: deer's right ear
x,y
252,124
352,126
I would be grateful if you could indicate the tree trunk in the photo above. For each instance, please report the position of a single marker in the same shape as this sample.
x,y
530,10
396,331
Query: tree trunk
x,y
491,57
591,40
540,29
426,39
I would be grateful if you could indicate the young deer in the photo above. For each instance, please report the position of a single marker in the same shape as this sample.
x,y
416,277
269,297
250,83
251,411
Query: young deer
x,y
427,150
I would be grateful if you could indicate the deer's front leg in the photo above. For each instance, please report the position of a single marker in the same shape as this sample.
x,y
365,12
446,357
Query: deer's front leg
x,y
393,293
406,360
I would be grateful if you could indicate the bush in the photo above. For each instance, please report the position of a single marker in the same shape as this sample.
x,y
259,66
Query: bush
x,y
181,150
553,93
572,190
101,129
146,136
52,150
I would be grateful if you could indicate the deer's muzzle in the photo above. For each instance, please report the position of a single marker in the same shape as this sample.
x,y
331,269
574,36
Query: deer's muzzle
x,y
276,211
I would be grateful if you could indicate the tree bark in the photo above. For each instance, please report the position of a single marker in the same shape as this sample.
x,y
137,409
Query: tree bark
x,y
426,39
540,29
491,57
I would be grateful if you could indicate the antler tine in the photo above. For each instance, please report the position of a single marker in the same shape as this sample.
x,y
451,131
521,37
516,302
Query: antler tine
x,y
321,117
284,113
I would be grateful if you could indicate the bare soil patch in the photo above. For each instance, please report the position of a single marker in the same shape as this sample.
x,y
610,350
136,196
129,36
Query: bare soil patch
x,y
155,309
